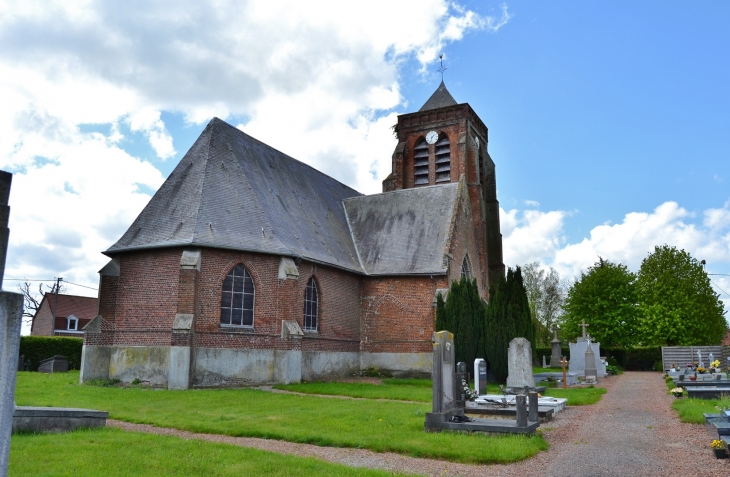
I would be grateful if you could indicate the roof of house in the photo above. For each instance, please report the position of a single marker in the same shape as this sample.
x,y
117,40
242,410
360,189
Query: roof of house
x,y
82,307
232,191
439,99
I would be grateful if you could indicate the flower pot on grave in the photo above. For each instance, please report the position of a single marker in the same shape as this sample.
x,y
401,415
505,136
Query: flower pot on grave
x,y
693,378
720,453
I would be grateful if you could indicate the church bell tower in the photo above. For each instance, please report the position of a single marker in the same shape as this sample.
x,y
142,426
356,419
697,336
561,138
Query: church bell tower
x,y
441,143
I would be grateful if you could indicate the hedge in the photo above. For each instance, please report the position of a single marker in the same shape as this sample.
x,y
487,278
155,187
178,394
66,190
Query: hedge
x,y
633,359
35,349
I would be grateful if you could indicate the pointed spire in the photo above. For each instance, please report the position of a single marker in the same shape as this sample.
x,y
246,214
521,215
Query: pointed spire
x,y
439,99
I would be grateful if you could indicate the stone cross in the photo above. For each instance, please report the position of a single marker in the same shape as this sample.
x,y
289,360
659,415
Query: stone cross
x,y
11,316
583,325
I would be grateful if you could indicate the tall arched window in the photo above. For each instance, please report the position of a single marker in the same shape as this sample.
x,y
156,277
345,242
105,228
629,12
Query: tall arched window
x,y
443,160
466,268
420,163
311,306
237,298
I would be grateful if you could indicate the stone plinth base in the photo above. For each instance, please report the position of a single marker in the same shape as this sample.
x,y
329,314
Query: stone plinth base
x,y
56,419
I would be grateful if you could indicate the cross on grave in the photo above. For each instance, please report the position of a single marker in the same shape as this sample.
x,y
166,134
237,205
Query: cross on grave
x,y
584,325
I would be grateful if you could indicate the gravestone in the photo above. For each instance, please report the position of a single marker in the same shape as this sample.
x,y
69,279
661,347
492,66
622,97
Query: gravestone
x,y
55,364
591,373
555,354
11,316
544,364
443,372
519,364
480,376
578,357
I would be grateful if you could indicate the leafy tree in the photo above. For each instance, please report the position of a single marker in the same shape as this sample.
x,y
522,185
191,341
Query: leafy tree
x,y
679,306
507,317
462,314
546,294
605,297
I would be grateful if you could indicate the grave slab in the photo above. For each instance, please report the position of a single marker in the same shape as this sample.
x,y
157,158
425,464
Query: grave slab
x,y
56,419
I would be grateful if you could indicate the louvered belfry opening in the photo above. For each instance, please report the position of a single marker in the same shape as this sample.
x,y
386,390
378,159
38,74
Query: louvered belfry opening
x,y
443,160
420,163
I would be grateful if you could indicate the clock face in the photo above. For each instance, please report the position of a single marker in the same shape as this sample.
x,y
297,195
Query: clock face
x,y
432,137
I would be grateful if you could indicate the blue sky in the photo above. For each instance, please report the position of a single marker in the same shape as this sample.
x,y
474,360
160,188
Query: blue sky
x,y
607,121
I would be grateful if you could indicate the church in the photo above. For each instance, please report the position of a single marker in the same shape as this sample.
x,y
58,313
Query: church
x,y
248,266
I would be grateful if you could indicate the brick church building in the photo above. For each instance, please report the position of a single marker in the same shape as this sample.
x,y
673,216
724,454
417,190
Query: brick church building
x,y
248,266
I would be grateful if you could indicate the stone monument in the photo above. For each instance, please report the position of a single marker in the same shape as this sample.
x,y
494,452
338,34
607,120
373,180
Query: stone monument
x,y
578,355
591,373
480,376
519,364
443,372
555,356
11,316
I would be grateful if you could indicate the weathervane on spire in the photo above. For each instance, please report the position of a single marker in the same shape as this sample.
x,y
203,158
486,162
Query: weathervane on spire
x,y
442,68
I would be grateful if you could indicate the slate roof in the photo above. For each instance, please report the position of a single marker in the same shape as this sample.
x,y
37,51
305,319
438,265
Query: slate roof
x,y
405,231
232,191
439,99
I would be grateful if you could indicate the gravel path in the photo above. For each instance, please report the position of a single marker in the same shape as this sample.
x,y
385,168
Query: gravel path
x,y
632,431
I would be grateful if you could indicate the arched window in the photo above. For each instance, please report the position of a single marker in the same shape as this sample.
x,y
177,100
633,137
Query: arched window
x,y
466,268
237,298
420,163
311,306
443,160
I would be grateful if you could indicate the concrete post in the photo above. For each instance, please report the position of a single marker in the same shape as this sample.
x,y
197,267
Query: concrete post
x,y
521,410
532,415
11,316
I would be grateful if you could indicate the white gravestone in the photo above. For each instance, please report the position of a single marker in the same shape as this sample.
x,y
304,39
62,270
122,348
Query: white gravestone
x,y
519,364
578,357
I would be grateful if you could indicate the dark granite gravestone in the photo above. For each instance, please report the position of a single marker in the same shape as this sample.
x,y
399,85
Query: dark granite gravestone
x,y
447,415
55,364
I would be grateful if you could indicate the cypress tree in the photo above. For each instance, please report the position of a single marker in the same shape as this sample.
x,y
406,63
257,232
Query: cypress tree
x,y
524,325
463,315
499,330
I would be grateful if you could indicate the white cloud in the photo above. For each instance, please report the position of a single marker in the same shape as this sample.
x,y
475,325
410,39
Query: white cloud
x,y
530,235
318,80
533,235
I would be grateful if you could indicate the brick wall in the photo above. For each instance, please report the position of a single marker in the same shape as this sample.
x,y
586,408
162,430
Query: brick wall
x,y
398,314
43,323
139,306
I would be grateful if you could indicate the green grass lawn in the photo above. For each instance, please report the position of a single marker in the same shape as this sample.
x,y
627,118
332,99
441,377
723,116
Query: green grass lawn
x,y
419,390
577,396
108,452
376,425
395,389
690,410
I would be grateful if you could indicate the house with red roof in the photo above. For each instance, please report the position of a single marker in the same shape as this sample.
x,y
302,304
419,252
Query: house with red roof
x,y
64,315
